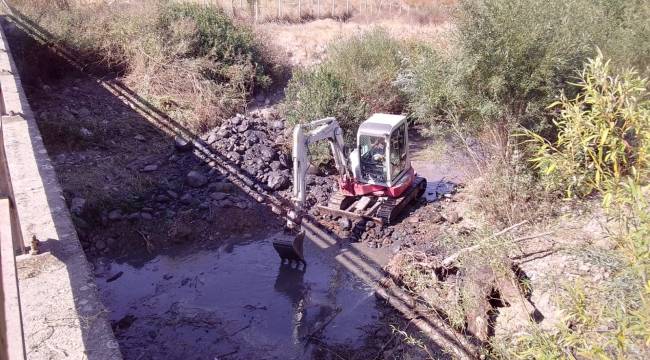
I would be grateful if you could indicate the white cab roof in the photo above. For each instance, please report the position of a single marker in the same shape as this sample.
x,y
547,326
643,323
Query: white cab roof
x,y
387,119
381,124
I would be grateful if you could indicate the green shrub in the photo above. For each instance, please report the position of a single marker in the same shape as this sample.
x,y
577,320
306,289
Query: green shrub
x,y
368,66
522,53
603,134
312,95
356,79
216,37
603,147
437,87
508,60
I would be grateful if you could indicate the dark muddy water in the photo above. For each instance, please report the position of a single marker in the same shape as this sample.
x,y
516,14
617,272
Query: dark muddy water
x,y
235,302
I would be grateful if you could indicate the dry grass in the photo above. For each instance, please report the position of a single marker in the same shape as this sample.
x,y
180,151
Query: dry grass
x,y
305,44
189,60
419,11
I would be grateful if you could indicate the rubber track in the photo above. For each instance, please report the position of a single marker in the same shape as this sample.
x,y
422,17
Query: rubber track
x,y
391,208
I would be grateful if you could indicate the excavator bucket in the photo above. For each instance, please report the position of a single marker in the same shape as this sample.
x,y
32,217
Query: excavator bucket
x,y
291,249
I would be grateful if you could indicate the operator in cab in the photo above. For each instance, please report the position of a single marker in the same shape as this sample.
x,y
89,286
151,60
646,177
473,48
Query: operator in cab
x,y
378,150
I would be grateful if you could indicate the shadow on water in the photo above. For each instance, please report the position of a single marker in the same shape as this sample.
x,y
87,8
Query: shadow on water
x,y
214,302
235,300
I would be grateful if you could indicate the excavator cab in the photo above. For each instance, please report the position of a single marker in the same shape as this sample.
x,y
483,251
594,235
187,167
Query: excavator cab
x,y
382,150
372,155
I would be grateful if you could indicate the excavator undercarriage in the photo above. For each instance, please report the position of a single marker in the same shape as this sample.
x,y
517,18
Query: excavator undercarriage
x,y
381,210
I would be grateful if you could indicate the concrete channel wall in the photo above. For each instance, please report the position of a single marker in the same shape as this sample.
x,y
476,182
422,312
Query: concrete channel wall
x,y
57,304
12,345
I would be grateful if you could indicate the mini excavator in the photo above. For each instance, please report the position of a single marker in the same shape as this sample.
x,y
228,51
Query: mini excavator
x,y
376,180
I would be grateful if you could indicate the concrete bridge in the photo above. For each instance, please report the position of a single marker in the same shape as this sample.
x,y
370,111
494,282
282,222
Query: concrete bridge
x,y
49,306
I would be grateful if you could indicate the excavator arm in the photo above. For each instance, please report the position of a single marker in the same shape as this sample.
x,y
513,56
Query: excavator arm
x,y
304,135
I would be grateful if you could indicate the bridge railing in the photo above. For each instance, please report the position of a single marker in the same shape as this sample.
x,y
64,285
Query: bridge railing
x,y
12,343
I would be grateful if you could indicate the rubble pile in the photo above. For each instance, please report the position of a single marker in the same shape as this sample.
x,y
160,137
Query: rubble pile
x,y
258,144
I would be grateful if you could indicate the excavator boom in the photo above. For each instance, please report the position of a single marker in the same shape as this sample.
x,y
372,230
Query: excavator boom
x,y
304,135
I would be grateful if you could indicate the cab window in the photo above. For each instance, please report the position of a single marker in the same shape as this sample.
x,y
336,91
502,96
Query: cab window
x,y
372,151
398,151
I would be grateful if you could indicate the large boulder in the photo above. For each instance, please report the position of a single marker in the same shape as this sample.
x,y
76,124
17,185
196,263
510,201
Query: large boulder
x,y
181,144
275,166
212,138
245,125
115,215
278,181
196,179
233,122
251,138
268,154
252,168
234,156
223,132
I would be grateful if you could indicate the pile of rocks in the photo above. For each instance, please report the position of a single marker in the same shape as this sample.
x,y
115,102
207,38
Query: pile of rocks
x,y
253,144
259,144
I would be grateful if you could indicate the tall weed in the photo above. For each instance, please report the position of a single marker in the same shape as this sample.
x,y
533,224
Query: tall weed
x,y
609,319
356,79
603,134
191,60
602,148
215,36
